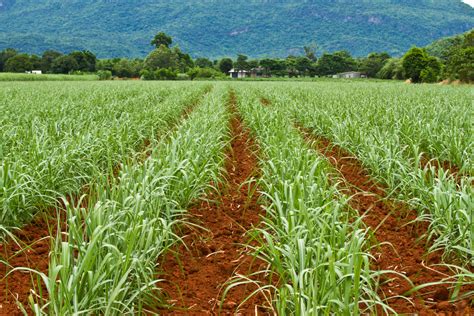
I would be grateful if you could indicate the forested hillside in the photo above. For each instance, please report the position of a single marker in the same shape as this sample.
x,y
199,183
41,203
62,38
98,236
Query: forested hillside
x,y
217,28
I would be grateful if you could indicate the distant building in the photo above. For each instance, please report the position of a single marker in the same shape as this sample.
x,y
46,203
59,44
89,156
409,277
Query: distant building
x,y
350,75
237,74
258,72
36,72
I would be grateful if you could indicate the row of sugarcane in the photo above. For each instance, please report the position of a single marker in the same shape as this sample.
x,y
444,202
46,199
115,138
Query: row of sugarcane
x,y
315,245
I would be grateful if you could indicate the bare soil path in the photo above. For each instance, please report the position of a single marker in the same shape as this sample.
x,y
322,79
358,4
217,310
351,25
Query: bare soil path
x,y
32,252
401,249
196,277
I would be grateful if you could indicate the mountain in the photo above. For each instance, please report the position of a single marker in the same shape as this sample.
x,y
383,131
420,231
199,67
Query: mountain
x,y
215,28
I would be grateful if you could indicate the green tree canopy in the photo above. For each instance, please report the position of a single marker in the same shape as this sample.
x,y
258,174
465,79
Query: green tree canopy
x,y
252,64
274,66
460,65
417,61
337,62
19,63
203,63
185,62
303,65
5,55
225,65
162,39
64,64
460,59
86,60
48,58
242,62
207,72
392,69
35,61
123,68
162,57
414,62
290,63
373,63
310,52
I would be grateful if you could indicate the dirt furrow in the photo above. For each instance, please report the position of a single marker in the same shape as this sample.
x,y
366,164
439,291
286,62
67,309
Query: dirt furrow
x,y
196,275
32,251
401,248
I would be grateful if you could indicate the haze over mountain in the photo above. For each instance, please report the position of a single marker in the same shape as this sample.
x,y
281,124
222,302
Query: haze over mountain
x,y
212,28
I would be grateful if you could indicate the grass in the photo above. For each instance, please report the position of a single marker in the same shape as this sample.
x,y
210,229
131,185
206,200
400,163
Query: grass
x,y
8,76
309,242
130,163
59,137
390,127
107,264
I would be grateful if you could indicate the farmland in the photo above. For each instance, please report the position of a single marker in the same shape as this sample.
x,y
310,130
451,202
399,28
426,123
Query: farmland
x,y
287,198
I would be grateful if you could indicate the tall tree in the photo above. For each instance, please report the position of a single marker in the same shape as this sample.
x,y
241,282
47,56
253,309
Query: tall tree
x,y
162,39
123,68
35,61
310,52
460,65
85,60
225,65
47,59
252,64
64,64
276,67
290,63
203,63
185,62
5,55
162,57
460,59
373,63
413,63
242,62
392,69
337,62
303,65
91,60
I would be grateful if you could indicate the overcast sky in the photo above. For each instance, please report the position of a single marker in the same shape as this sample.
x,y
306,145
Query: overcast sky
x,y
470,2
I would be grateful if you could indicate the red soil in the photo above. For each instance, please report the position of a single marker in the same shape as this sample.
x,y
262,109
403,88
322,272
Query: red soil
x,y
196,280
389,223
265,101
426,162
32,252
446,165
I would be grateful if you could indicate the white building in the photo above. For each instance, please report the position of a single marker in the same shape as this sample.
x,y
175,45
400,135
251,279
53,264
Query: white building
x,y
350,75
238,73
36,72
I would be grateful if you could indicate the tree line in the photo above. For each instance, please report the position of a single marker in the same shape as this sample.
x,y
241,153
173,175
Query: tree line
x,y
49,62
455,62
167,62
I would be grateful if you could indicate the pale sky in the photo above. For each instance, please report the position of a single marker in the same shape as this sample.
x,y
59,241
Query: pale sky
x,y
470,2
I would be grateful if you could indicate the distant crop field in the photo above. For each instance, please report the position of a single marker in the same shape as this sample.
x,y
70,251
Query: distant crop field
x,y
5,76
285,198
